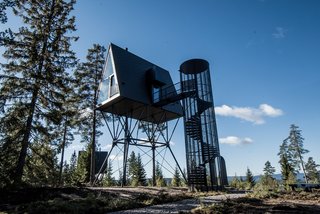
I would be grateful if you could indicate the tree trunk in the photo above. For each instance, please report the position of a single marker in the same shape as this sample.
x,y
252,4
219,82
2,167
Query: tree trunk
x,y
62,152
303,169
154,179
25,142
300,157
93,149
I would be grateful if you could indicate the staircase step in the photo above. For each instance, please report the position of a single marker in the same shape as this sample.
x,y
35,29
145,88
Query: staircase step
x,y
197,176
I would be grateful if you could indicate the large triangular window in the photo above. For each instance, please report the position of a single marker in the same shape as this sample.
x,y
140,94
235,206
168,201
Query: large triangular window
x,y
108,86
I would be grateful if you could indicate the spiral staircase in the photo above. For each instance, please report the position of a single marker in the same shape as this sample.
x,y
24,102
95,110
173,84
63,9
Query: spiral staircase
x,y
193,128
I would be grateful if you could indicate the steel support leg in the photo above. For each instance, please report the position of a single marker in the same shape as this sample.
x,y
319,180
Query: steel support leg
x,y
125,153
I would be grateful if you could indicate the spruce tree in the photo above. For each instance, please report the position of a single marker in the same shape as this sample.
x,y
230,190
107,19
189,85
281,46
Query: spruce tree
x,y
82,171
235,182
176,180
66,175
35,75
65,130
4,5
69,170
185,182
160,182
119,181
42,165
6,34
136,172
249,179
268,169
140,178
267,179
108,179
287,172
88,76
132,167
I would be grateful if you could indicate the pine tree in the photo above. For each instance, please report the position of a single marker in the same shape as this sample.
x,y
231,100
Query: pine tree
x,y
296,149
35,74
312,172
249,179
88,76
176,180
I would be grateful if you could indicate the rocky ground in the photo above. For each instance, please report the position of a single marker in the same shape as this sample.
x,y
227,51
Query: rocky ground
x,y
183,206
293,202
151,200
85,200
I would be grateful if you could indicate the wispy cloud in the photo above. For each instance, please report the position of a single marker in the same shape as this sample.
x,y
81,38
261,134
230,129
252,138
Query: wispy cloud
x,y
254,115
233,140
279,33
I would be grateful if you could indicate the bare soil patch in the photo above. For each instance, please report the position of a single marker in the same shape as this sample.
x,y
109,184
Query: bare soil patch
x,y
85,200
294,202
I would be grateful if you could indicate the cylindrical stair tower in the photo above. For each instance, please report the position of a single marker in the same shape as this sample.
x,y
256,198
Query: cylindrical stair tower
x,y
204,163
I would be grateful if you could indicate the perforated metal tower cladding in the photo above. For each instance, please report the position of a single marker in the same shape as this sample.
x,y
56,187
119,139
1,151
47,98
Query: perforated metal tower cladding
x,y
205,167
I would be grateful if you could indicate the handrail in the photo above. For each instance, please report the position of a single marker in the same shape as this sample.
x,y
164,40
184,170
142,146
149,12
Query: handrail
x,y
170,91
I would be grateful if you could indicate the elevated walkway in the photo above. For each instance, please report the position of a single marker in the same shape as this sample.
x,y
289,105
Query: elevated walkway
x,y
172,93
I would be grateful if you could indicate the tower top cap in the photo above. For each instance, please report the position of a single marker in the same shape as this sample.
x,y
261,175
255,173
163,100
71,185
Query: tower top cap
x,y
194,66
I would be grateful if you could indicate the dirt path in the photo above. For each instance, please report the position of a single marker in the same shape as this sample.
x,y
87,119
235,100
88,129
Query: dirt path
x,y
181,206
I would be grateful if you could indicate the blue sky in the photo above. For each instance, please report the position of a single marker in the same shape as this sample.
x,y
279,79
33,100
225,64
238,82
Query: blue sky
x,y
264,58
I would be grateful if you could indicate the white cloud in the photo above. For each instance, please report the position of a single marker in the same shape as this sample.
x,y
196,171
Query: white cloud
x,y
270,111
254,115
76,146
116,157
106,147
280,33
233,140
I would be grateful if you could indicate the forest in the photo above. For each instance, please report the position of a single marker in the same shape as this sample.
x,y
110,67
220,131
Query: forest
x,y
47,96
